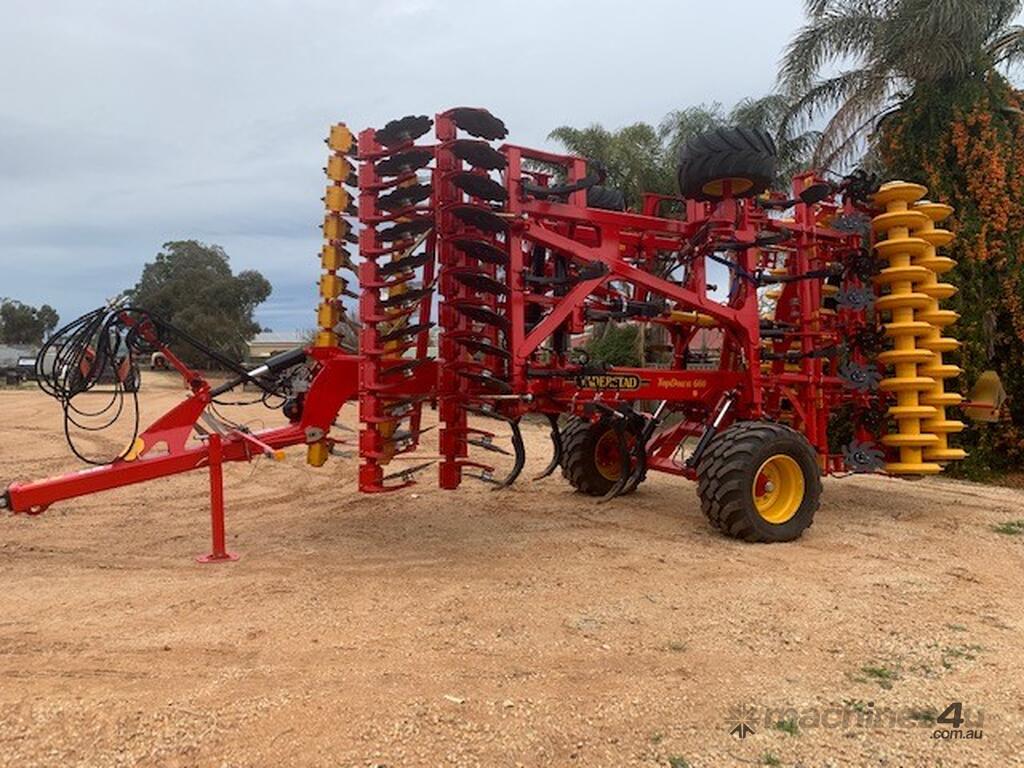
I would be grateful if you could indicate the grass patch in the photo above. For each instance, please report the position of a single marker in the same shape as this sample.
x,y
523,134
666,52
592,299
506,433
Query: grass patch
x,y
657,737
923,715
769,759
1010,528
881,675
857,705
788,726
677,762
958,652
676,646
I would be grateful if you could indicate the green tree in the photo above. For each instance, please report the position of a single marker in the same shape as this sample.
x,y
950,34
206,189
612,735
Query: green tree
x,y
24,324
890,50
924,91
795,147
681,125
616,345
641,158
191,285
633,157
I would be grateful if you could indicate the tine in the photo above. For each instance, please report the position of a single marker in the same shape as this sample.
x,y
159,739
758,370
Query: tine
x,y
520,450
487,445
556,443
408,472
403,403
624,464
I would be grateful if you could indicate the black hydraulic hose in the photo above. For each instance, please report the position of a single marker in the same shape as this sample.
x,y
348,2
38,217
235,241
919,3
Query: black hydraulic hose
x,y
561,190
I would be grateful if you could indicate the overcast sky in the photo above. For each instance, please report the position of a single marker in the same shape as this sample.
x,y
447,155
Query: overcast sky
x,y
127,124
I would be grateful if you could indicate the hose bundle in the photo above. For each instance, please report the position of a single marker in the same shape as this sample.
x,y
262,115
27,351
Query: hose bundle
x,y
102,348
98,348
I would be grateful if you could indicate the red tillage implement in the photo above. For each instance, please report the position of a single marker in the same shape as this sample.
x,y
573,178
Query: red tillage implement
x,y
785,335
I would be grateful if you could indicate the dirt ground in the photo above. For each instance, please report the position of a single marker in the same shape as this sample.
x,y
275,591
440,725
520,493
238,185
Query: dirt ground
x,y
526,627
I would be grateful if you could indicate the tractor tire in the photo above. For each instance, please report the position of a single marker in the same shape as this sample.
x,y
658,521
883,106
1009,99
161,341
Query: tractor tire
x,y
585,461
759,481
744,157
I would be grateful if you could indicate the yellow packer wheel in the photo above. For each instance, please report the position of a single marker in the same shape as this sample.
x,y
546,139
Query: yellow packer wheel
x,y
759,481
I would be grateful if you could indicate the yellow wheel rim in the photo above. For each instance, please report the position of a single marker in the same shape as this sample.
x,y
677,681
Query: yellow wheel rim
x,y
778,488
737,186
606,456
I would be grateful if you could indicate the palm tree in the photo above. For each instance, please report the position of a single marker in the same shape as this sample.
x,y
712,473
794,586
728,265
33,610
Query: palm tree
x,y
770,113
681,125
889,49
633,156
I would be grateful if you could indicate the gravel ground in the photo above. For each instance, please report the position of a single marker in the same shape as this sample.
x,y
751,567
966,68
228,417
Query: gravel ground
x,y
527,627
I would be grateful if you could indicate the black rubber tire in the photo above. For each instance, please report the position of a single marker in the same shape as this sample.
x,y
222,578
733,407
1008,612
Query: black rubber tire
x,y
726,153
579,440
726,475
606,198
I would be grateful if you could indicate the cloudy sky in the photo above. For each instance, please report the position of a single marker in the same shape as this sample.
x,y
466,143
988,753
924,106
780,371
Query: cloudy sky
x,y
127,124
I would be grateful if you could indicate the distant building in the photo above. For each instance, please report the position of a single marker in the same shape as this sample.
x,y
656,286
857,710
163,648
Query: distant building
x,y
10,354
268,343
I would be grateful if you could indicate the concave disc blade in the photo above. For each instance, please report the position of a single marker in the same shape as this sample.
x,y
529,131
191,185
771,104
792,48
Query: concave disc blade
x,y
479,154
403,197
482,218
404,230
404,129
483,347
480,282
404,162
406,264
478,122
487,380
482,187
481,314
481,250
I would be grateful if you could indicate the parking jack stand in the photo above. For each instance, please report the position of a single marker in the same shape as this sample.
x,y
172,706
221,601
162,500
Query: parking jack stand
x,y
219,551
